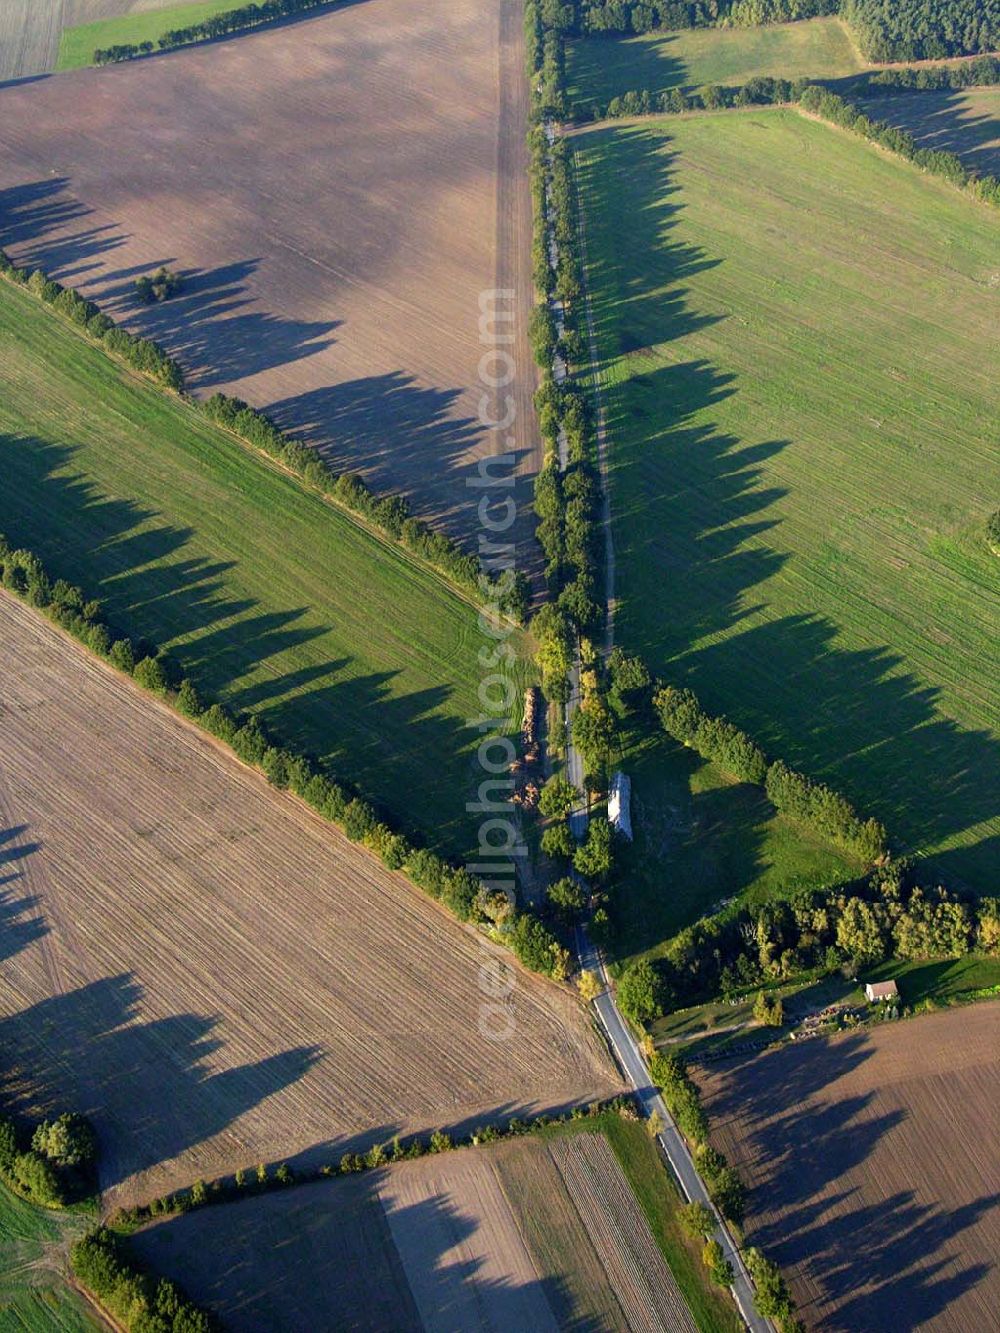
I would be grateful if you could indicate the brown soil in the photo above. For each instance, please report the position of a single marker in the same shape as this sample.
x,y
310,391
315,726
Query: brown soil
x,y
212,972
874,1171
339,192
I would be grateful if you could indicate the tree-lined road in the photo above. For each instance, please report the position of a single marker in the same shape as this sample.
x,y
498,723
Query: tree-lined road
x,y
633,1064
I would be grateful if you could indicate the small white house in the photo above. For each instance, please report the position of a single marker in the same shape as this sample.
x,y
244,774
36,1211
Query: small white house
x,y
881,991
619,805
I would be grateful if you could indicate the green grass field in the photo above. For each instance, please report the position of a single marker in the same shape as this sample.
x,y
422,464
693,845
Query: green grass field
x,y
701,840
600,68
77,45
966,122
271,599
648,1175
34,1295
798,341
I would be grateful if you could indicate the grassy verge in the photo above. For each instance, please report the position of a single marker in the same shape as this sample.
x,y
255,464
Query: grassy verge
x,y
77,45
34,1293
601,68
649,1177
270,599
801,457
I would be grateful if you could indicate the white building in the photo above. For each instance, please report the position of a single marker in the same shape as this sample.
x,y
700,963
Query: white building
x,y
619,803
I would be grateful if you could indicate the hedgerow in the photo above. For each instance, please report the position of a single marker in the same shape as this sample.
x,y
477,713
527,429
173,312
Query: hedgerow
x,y
23,574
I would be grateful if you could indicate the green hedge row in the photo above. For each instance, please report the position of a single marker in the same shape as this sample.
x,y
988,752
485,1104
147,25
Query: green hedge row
x,y
243,1184
142,353
818,101
138,1301
391,514
219,25
718,740
831,107
22,573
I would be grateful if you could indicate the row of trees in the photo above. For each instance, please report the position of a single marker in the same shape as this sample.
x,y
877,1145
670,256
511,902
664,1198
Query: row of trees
x,y
680,1092
141,353
261,1179
597,17
886,916
219,25
829,106
923,29
718,740
510,592
22,573
981,72
56,1166
389,513
138,1301
819,101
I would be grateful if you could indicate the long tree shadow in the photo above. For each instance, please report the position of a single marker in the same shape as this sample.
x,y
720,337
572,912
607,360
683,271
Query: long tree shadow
x,y
35,217
375,1262
891,1263
246,654
208,325
143,1082
693,518
943,121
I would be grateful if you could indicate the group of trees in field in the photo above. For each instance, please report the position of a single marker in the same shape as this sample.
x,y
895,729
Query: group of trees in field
x,y
22,573
158,286
887,30
55,1167
139,1301
886,916
141,353
219,25
892,30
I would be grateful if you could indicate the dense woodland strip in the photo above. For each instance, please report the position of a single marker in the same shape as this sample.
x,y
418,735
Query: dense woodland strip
x,y
892,30
886,30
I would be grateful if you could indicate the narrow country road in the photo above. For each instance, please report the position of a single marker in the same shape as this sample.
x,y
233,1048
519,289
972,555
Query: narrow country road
x,y
626,1049
631,1060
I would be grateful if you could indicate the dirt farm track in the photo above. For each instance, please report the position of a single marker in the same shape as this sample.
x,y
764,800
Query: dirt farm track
x,y
873,1168
210,971
339,192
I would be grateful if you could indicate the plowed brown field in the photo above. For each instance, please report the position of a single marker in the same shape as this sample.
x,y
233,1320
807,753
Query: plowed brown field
x,y
210,971
459,1241
339,191
874,1170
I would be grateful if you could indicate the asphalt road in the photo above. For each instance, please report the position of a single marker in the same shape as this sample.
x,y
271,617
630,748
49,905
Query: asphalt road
x,y
631,1061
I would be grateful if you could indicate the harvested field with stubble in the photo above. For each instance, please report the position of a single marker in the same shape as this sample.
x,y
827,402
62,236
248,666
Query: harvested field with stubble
x,y
535,1233
212,973
873,1169
338,192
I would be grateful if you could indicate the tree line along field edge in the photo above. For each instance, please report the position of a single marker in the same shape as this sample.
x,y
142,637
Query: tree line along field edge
x,y
254,584
679,347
